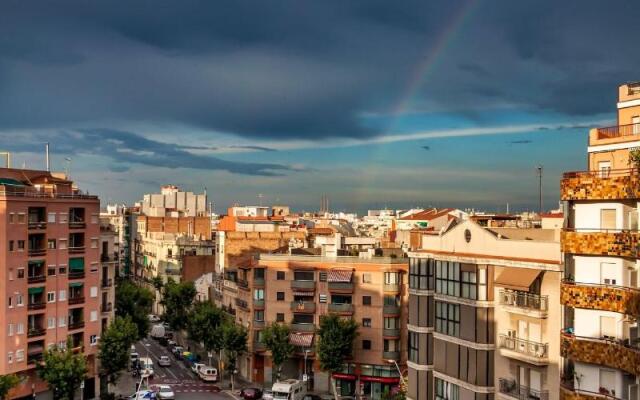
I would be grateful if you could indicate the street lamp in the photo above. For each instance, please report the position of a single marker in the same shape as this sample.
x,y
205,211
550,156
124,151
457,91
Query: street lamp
x,y
399,372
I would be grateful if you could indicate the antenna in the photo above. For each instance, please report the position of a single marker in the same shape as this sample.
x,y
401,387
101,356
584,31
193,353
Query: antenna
x,y
260,196
46,154
539,173
67,169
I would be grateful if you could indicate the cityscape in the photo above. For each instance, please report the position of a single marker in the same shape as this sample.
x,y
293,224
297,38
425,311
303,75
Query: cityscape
x,y
197,204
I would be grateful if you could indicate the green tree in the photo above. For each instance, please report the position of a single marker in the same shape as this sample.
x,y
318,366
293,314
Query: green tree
x,y
275,337
7,382
134,301
157,284
177,299
63,370
335,344
204,326
113,349
234,339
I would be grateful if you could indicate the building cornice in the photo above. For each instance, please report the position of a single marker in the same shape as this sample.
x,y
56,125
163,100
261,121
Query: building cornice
x,y
464,384
419,367
462,342
463,301
419,329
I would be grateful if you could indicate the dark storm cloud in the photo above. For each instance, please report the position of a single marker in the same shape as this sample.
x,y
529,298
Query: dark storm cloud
x,y
303,69
127,148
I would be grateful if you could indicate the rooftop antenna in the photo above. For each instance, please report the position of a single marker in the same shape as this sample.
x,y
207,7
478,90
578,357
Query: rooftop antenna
x,y
67,169
260,196
539,173
46,154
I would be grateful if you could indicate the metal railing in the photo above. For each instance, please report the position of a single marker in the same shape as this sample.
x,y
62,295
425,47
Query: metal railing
x,y
37,306
76,325
303,284
301,327
390,309
76,300
602,285
526,300
511,388
107,283
36,279
601,174
340,286
37,252
42,195
37,225
107,307
33,332
337,259
391,287
340,308
303,306
34,357
391,355
526,347
618,131
391,332
76,249
76,274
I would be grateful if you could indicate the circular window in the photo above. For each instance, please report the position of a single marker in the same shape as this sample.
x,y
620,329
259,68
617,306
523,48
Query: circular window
x,y
467,235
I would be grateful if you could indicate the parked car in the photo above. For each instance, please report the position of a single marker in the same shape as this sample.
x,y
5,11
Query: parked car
x,y
134,358
195,367
177,351
164,361
143,394
165,392
146,366
313,397
208,374
251,393
267,394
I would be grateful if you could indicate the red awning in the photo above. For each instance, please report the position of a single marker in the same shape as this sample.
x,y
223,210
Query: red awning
x,y
346,377
339,275
380,379
306,294
301,339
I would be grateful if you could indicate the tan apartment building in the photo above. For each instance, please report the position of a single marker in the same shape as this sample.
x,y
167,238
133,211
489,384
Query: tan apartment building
x,y
109,262
51,274
483,314
601,294
298,289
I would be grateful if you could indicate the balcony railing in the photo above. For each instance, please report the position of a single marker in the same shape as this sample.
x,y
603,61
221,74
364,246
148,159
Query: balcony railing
x,y
37,306
620,299
340,287
617,131
390,309
36,331
258,324
512,389
526,347
303,306
37,252
258,346
107,308
602,242
301,327
391,287
524,300
617,354
34,193
242,304
568,392
76,274
258,303
36,278
259,282
107,283
601,184
33,358
242,283
76,249
309,285
391,355
76,300
77,225
391,332
341,308
34,225
76,325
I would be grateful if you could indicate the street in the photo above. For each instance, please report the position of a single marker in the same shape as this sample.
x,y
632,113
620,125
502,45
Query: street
x,y
185,384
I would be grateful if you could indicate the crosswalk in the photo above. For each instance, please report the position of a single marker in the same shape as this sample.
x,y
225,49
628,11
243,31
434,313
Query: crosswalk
x,y
188,386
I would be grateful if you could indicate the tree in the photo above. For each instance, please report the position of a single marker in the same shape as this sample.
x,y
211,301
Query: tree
x,y
177,299
134,301
7,382
275,337
204,326
234,339
335,344
63,370
113,349
157,284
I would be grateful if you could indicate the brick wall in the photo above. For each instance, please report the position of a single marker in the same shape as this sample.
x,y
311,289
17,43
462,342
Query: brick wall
x,y
240,247
193,267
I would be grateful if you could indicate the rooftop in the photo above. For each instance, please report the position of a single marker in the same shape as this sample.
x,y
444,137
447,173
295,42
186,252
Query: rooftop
x,y
338,259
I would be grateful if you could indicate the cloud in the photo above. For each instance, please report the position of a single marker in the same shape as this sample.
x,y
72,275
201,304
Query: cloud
x,y
258,148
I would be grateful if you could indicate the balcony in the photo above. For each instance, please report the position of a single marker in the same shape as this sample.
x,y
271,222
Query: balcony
x,y
76,250
303,285
258,346
37,225
391,310
616,243
303,306
36,331
243,284
391,333
35,357
76,300
512,389
524,303
340,287
75,325
568,392
106,283
614,184
391,355
620,299
37,218
342,309
391,288
609,353
36,306
258,324
524,350
106,308
76,274
258,304
37,252
258,282
76,218
242,304
618,131
36,278
301,327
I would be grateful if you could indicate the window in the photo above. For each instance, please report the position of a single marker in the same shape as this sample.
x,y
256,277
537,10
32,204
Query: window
x,y
51,270
20,355
93,316
366,278
62,243
446,390
10,302
258,294
20,245
21,218
63,218
608,218
391,323
62,321
51,297
51,218
93,292
421,273
10,357
62,345
322,276
20,273
303,275
11,329
280,275
469,285
51,244
62,296
94,243
10,245
366,344
62,269
280,296
366,322
322,298
94,219
391,278
12,218
258,315
19,300
448,278
413,346
258,273
366,300
20,328
280,317
51,322
391,345
448,318
10,274
93,340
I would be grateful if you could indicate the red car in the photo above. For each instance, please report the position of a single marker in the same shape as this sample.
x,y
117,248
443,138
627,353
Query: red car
x,y
251,393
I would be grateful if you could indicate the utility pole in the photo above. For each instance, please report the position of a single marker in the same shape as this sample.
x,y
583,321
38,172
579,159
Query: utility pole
x,y
539,173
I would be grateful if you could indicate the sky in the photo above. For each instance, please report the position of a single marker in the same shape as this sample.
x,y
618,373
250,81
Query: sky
x,y
372,103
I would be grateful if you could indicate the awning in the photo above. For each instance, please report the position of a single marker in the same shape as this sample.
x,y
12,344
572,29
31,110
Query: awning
x,y
305,294
36,290
301,339
76,264
75,284
339,275
517,278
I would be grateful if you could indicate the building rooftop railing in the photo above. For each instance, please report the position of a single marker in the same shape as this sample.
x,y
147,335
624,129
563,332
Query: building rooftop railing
x,y
338,259
610,132
44,195
602,174
570,281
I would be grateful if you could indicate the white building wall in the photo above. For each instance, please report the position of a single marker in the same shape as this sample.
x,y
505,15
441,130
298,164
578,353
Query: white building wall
x,y
588,378
587,215
599,269
587,323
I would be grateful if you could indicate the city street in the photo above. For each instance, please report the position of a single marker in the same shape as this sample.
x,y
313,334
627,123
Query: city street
x,y
185,384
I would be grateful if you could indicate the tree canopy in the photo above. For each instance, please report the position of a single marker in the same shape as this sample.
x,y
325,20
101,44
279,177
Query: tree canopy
x,y
275,337
8,382
63,370
335,338
205,325
134,301
113,349
177,299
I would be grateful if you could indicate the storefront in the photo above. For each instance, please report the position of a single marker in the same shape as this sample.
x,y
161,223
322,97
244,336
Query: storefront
x,y
367,381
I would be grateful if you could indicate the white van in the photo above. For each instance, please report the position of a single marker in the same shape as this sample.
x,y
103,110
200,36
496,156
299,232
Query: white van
x,y
146,366
289,389
208,374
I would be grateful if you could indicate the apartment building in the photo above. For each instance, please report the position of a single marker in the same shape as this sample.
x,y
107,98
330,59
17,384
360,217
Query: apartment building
x,y
298,289
122,220
109,261
51,274
600,341
483,314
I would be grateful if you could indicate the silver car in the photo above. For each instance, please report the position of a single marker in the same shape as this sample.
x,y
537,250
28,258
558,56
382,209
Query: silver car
x,y
164,361
165,392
